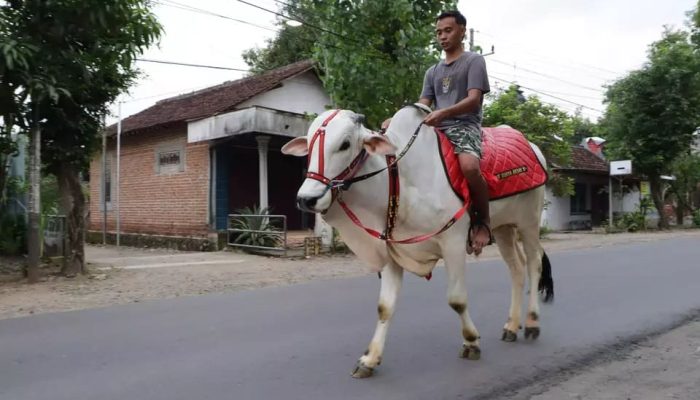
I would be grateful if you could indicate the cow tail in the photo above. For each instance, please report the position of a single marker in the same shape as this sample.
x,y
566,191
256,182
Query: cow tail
x,y
546,285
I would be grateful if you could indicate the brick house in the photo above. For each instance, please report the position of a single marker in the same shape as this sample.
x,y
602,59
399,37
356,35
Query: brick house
x,y
189,161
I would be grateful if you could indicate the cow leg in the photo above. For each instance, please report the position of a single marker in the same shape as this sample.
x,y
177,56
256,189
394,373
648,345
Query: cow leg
x,y
457,299
530,237
507,242
392,277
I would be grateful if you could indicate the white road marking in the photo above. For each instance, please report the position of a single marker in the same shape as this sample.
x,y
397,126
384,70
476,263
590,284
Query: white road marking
x,y
178,264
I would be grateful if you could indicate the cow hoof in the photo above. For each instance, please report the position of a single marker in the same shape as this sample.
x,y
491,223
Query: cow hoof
x,y
470,352
362,372
532,332
509,336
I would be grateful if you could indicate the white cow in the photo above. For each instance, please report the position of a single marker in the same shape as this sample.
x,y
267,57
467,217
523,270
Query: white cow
x,y
427,202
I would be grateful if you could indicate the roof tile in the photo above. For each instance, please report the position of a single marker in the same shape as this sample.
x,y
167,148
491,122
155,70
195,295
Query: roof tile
x,y
210,101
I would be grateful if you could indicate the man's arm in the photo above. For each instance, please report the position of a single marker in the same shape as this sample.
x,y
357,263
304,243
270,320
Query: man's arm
x,y
426,101
468,105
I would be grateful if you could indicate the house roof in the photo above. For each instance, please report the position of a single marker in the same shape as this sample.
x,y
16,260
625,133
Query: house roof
x,y
210,101
585,161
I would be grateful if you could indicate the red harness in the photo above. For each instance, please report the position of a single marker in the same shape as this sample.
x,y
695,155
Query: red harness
x,y
343,180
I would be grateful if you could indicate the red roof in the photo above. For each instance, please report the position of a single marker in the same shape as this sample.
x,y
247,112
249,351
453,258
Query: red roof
x,y
210,101
585,161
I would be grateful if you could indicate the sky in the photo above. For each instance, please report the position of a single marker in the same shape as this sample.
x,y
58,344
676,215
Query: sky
x,y
565,51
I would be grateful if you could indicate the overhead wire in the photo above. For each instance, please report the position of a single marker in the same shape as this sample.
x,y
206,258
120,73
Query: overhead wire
x,y
313,26
191,65
174,4
546,94
520,46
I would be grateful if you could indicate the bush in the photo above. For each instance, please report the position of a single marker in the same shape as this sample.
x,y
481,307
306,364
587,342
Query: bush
x,y
13,234
263,228
632,222
696,218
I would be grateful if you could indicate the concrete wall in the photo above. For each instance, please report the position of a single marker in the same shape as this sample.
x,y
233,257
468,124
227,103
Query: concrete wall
x,y
167,202
300,94
556,213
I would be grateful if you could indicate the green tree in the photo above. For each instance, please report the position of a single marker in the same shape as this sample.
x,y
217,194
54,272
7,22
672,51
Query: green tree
x,y
653,112
543,124
372,54
291,44
583,128
686,170
64,62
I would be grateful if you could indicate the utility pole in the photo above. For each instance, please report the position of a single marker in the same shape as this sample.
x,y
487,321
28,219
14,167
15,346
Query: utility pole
x,y
471,39
34,236
104,180
118,185
473,47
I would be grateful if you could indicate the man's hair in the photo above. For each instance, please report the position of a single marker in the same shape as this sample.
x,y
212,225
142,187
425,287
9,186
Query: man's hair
x,y
459,18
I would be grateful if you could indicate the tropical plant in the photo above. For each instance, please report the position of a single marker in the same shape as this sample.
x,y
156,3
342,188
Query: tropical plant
x,y
254,229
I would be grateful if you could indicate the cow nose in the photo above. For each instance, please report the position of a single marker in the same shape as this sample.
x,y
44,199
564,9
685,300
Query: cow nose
x,y
305,203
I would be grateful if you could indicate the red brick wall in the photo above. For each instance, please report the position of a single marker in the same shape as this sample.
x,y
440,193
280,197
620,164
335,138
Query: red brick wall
x,y
151,203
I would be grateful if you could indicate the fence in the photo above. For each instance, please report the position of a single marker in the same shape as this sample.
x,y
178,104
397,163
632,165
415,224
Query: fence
x,y
54,235
257,231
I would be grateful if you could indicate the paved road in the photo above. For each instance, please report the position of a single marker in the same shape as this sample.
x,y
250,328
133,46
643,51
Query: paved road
x,y
301,342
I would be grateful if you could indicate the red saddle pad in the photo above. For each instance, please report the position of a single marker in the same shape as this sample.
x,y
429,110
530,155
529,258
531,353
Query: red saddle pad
x,y
508,164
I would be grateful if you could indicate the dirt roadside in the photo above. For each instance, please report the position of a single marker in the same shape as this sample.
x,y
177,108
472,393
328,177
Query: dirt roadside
x,y
662,367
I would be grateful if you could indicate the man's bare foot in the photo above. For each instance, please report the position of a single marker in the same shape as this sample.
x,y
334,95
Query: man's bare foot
x,y
479,237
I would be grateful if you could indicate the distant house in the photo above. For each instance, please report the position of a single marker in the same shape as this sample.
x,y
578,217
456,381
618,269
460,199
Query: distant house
x,y
589,205
189,161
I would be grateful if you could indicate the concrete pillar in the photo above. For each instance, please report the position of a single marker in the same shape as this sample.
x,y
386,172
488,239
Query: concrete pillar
x,y
263,142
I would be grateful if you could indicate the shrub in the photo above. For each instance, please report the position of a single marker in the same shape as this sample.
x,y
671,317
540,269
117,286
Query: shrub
x,y
258,231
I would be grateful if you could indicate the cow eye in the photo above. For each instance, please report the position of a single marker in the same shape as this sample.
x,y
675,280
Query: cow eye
x,y
344,146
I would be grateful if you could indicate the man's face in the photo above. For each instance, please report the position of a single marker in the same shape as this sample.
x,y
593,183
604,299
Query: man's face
x,y
449,34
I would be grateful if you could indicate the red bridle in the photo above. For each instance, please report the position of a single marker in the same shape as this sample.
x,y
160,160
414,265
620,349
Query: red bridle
x,y
339,180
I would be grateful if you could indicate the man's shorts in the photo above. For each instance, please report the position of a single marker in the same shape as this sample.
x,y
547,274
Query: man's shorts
x,y
465,138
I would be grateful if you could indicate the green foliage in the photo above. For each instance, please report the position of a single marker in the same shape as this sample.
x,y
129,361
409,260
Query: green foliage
x,y
653,112
686,170
372,54
635,221
291,44
696,218
264,227
543,124
64,62
13,230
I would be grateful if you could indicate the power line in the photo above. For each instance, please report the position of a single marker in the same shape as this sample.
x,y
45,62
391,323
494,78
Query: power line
x,y
547,76
185,7
191,65
297,19
520,46
547,94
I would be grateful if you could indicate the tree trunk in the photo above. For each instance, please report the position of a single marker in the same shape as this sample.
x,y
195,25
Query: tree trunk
x,y
4,163
33,235
680,210
657,198
73,206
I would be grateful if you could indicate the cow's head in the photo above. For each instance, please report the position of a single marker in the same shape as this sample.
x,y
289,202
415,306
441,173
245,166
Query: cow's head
x,y
333,141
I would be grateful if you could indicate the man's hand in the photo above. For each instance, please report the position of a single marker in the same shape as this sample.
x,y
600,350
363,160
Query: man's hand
x,y
435,117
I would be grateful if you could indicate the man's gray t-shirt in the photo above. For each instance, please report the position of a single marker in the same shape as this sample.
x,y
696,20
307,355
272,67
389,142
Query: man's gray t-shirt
x,y
448,84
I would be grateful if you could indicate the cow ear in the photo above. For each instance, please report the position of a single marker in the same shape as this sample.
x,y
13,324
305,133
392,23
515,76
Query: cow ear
x,y
296,147
378,144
